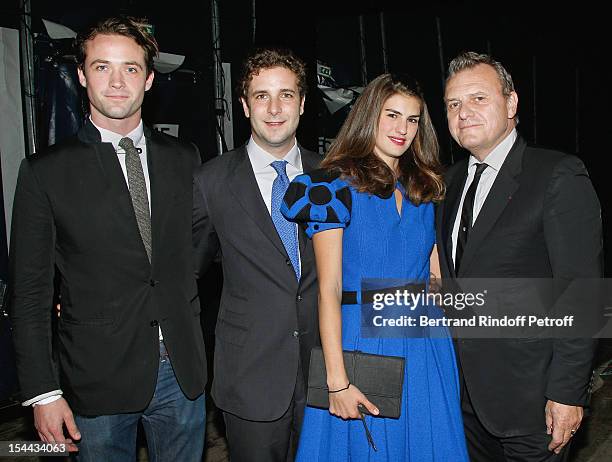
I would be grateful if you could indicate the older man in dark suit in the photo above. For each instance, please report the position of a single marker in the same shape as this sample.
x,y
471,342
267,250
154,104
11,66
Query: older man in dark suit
x,y
515,211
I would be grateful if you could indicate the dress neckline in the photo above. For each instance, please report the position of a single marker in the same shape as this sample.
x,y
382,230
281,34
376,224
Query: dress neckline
x,y
399,212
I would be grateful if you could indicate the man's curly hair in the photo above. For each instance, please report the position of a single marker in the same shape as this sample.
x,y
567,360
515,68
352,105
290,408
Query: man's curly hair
x,y
267,58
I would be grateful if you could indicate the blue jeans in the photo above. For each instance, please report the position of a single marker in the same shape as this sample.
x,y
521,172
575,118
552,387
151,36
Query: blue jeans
x,y
174,426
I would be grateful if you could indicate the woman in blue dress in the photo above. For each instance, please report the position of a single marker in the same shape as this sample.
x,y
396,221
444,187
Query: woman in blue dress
x,y
370,212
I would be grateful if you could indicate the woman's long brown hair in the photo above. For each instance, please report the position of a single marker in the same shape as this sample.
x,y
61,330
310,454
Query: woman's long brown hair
x,y
352,153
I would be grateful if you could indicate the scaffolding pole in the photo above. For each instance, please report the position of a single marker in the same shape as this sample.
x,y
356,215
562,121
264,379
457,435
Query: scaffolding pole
x,y
253,19
27,71
218,73
364,65
443,78
534,78
577,111
383,41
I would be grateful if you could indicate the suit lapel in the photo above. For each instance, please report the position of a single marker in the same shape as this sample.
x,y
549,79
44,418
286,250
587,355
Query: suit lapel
x,y
162,178
498,198
451,207
243,186
109,163
310,162
119,194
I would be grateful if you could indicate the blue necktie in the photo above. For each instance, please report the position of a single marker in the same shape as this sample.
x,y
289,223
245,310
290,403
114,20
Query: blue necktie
x,y
286,230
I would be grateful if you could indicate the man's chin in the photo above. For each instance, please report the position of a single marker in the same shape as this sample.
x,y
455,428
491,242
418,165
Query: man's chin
x,y
276,141
118,114
468,143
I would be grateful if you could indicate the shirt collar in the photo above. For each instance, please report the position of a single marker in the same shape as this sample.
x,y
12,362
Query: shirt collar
x,y
108,136
496,158
261,159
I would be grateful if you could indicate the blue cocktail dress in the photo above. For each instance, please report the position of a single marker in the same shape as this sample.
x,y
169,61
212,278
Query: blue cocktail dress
x,y
379,242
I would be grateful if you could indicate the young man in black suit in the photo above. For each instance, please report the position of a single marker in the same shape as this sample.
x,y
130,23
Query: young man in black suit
x,y
267,321
515,211
110,210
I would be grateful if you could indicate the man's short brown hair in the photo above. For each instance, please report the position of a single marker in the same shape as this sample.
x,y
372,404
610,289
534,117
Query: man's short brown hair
x,y
134,28
267,58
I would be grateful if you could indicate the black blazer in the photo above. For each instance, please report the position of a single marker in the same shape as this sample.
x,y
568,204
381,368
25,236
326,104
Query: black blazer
x,y
267,321
73,213
541,219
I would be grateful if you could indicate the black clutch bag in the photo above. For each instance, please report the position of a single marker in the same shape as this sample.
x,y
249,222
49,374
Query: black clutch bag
x,y
379,378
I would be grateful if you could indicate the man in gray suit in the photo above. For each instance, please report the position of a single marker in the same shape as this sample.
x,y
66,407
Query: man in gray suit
x,y
267,321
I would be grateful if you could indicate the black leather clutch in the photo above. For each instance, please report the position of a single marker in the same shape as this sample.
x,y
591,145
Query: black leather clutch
x,y
379,378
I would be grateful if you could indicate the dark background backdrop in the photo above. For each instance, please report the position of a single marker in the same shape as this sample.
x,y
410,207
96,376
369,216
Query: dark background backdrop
x,y
558,59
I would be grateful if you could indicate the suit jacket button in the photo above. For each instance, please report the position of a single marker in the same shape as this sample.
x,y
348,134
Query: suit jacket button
x,y
153,282
288,262
299,298
296,334
154,323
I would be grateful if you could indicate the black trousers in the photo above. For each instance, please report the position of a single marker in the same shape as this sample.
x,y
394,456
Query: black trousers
x,y
275,441
486,447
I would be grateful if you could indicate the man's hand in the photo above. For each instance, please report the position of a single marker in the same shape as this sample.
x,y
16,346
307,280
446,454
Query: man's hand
x,y
49,420
562,421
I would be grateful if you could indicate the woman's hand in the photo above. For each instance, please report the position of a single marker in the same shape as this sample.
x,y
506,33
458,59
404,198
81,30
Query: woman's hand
x,y
344,403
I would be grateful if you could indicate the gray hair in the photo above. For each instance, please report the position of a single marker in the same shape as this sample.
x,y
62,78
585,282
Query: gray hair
x,y
470,59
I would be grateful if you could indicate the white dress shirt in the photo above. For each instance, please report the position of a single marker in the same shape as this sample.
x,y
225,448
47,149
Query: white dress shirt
x,y
265,174
138,138
494,160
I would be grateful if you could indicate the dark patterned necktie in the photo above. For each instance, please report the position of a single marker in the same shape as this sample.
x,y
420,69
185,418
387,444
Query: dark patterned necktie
x,y
138,192
467,215
286,230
